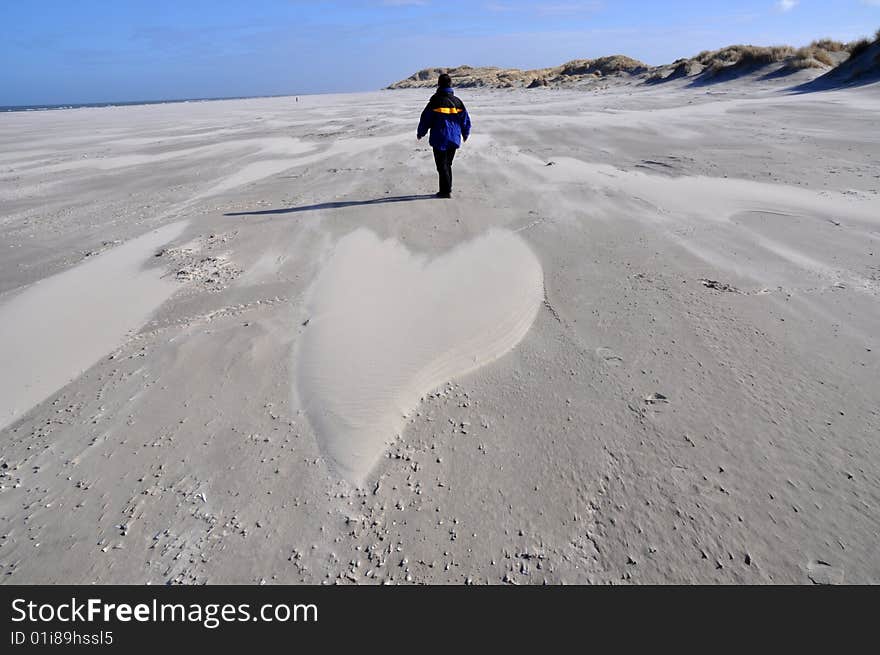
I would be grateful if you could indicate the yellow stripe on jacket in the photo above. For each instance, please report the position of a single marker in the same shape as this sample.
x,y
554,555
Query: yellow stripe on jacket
x,y
448,110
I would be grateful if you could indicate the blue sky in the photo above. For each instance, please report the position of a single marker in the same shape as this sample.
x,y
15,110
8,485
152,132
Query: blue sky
x,y
68,51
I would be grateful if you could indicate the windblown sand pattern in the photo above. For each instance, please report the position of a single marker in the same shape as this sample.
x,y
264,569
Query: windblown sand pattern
x,y
388,326
55,329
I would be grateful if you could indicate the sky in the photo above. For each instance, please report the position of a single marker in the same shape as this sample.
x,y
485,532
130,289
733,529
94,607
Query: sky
x,y
79,51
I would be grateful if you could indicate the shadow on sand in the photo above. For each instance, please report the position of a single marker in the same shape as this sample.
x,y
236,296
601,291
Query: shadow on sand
x,y
829,83
333,205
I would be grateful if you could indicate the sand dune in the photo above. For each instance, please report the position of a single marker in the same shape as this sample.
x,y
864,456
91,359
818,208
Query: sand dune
x,y
825,62
863,67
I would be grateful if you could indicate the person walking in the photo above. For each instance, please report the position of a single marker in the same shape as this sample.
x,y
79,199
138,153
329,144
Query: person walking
x,y
447,118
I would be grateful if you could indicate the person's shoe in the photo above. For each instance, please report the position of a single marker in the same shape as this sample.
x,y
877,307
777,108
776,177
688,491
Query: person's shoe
x,y
443,195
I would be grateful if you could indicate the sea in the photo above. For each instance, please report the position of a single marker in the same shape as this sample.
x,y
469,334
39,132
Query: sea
x,y
126,103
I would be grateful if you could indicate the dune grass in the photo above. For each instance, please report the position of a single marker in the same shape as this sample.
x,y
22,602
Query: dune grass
x,y
603,66
742,56
857,48
815,55
735,60
829,45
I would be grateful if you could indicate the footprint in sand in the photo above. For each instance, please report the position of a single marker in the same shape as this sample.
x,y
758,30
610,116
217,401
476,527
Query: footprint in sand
x,y
609,356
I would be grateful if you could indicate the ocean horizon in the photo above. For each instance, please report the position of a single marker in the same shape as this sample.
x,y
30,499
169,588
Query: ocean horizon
x,y
129,103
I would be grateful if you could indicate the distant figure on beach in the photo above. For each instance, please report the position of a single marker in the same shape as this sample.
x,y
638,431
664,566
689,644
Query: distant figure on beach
x,y
447,119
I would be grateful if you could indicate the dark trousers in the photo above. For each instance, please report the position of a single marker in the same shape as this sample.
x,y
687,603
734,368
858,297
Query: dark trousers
x,y
443,159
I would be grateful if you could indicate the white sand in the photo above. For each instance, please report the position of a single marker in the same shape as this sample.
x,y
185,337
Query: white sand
x,y
386,327
53,330
694,400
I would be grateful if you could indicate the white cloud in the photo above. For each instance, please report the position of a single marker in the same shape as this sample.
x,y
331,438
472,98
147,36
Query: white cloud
x,y
548,8
562,8
786,5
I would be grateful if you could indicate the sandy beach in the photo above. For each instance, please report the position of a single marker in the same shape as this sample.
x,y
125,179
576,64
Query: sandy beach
x,y
241,342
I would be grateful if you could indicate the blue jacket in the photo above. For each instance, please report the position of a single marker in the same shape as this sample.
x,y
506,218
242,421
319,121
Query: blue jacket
x,y
447,118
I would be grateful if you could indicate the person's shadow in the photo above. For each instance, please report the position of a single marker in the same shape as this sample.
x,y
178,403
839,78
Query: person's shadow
x,y
332,205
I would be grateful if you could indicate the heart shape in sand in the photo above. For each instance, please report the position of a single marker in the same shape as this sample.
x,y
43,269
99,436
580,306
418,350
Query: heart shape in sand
x,y
387,327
